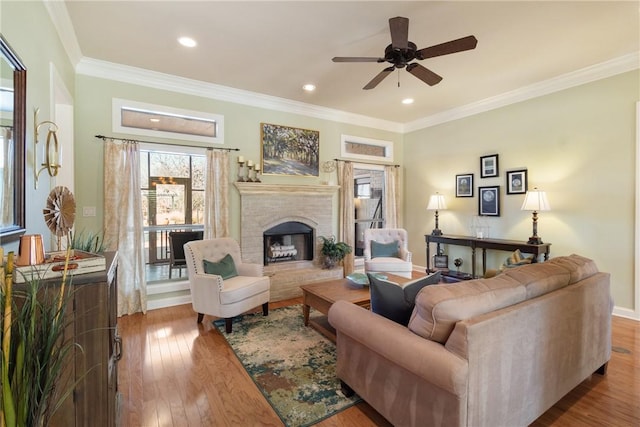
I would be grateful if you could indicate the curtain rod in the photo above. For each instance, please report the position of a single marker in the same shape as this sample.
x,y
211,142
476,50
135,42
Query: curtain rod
x,y
366,163
104,138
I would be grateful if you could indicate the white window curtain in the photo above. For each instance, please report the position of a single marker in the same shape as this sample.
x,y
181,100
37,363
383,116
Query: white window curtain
x,y
216,194
347,213
391,199
123,221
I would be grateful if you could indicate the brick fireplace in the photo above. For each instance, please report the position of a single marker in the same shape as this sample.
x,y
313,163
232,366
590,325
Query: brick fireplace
x,y
266,207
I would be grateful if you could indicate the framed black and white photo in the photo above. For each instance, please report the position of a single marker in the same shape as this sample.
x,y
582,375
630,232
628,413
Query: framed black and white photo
x,y
464,185
489,166
517,182
489,201
441,261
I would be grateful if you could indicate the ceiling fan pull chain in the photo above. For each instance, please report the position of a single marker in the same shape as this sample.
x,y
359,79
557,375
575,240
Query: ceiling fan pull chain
x,y
398,77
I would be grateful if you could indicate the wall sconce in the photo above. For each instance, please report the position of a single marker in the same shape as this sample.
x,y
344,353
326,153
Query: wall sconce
x,y
51,150
436,203
535,201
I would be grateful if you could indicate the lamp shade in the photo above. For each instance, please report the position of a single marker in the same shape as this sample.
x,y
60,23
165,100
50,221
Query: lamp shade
x,y
536,200
436,203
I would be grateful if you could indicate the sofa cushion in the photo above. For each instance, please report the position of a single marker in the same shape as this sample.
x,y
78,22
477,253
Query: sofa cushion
x,y
438,308
540,278
384,249
225,267
579,267
394,301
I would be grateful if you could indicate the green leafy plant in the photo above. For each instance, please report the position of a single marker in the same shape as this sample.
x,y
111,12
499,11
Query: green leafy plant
x,y
333,251
88,241
34,348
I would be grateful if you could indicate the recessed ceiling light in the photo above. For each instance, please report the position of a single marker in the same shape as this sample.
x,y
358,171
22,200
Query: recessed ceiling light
x,y
154,120
187,41
309,87
407,101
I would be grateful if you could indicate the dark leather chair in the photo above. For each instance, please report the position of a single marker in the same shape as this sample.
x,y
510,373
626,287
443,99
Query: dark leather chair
x,y
177,239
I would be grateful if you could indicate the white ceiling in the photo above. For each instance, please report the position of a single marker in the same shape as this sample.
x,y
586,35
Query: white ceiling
x,y
274,48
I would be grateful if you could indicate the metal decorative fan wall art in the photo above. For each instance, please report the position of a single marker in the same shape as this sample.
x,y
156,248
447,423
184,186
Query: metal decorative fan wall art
x,y
60,212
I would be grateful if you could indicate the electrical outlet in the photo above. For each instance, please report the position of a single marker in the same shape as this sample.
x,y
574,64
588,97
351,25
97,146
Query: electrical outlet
x,y
89,211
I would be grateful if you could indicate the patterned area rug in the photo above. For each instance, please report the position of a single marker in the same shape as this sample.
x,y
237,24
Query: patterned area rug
x,y
292,365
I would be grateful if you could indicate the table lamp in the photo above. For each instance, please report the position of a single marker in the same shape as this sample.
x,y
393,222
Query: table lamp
x,y
436,203
535,201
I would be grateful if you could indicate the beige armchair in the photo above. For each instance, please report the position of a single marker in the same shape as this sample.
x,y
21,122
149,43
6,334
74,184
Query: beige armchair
x,y
215,296
380,255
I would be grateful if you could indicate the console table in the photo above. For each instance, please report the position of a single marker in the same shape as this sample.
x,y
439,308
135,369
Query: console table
x,y
484,244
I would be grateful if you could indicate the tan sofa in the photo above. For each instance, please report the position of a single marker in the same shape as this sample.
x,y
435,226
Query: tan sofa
x,y
486,352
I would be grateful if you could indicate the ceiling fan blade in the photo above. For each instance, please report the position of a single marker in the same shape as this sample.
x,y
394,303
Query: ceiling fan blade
x,y
453,46
356,59
377,79
399,28
424,74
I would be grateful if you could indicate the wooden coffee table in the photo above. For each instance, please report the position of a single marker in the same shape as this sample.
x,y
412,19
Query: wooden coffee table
x,y
322,295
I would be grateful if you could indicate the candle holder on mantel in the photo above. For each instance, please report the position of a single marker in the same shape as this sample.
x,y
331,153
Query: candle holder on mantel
x,y
256,177
250,172
241,173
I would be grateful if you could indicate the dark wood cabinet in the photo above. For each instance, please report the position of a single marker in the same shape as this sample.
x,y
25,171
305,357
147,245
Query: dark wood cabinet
x,y
93,321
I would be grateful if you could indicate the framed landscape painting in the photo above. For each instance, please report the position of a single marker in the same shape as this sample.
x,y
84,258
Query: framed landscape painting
x,y
489,201
289,151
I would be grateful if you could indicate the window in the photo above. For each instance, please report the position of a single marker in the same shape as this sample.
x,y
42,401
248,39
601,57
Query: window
x,y
172,187
161,121
356,147
368,181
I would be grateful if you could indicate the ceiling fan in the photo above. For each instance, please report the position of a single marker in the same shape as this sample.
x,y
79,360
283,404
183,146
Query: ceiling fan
x,y
401,52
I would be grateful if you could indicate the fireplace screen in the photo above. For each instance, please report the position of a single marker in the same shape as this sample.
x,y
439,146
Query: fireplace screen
x,y
289,241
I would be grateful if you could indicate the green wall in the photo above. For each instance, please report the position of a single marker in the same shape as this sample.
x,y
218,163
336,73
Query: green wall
x,y
578,145
241,130
29,31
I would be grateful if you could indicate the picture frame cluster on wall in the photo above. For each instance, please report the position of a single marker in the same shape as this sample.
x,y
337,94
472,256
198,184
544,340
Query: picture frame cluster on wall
x,y
489,196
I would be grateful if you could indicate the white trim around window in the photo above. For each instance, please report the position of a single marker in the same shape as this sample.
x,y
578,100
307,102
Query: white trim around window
x,y
387,148
119,104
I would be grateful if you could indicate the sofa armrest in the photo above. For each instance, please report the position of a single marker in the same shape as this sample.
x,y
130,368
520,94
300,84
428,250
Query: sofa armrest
x,y
405,255
428,360
250,269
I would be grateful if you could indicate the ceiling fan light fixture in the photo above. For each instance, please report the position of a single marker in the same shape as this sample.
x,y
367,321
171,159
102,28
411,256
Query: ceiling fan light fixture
x,y
187,42
401,52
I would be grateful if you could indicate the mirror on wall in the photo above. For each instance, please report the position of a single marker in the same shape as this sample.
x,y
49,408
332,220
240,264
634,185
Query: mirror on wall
x,y
13,92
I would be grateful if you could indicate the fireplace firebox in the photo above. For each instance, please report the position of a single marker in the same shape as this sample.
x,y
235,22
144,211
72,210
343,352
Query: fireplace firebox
x,y
288,241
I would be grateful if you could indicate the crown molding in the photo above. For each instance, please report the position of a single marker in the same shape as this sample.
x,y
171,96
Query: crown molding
x,y
62,22
141,77
595,72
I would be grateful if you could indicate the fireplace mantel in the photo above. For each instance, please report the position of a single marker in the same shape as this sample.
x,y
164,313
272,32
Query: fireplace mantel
x,y
262,188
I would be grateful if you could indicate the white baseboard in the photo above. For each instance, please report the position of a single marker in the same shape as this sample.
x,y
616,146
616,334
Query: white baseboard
x,y
168,302
626,312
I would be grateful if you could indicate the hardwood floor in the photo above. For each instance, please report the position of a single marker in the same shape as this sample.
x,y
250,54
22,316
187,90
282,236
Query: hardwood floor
x,y
177,373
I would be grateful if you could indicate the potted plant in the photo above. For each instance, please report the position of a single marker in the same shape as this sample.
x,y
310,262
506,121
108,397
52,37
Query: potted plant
x,y
35,349
333,251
